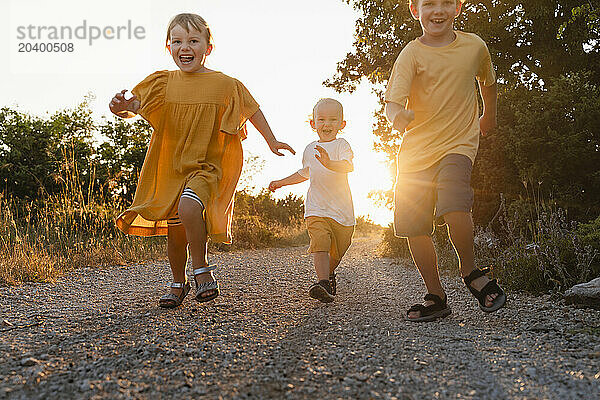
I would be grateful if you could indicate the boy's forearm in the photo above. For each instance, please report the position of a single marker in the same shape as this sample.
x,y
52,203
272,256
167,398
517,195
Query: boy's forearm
x,y
340,166
260,123
489,95
292,179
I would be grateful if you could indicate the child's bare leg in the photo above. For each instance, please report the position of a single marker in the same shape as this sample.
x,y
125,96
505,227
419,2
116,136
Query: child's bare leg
x,y
460,229
425,258
177,253
333,264
321,260
191,215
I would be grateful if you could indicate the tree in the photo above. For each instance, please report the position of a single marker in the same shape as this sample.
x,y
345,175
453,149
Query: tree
x,y
535,45
26,154
522,37
121,156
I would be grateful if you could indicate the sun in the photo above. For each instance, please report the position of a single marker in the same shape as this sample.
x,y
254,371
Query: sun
x,y
371,173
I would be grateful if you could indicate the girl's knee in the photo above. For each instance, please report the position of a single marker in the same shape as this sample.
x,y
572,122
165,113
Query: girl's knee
x,y
190,209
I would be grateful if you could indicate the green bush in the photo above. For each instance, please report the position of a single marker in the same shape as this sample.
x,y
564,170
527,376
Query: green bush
x,y
590,235
534,248
547,255
366,227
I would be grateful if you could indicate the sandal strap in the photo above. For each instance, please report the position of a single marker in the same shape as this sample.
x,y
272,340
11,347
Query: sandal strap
x,y
476,273
170,296
205,269
492,287
206,286
177,285
417,307
436,299
438,305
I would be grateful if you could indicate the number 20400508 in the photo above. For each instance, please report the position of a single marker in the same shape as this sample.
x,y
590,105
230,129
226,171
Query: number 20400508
x,y
46,47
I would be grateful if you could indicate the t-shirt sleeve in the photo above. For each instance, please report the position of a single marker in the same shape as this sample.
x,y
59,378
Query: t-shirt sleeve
x,y
401,79
240,107
304,171
486,74
345,151
151,94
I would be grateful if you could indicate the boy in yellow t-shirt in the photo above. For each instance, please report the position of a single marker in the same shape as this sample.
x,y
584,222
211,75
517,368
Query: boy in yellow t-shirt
x,y
432,98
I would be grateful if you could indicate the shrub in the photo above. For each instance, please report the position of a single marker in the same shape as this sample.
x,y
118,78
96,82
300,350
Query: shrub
x,y
549,255
366,227
533,247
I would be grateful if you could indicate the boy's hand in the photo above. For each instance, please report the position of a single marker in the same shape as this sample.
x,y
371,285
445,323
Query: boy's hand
x,y
277,145
402,119
274,185
486,124
121,106
323,156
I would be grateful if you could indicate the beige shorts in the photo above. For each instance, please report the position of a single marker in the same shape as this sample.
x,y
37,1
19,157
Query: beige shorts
x,y
425,196
329,235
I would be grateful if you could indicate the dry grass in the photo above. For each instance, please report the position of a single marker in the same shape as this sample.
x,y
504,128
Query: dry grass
x,y
44,240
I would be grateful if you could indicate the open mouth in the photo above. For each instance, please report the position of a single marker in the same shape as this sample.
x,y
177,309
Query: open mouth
x,y
186,59
438,21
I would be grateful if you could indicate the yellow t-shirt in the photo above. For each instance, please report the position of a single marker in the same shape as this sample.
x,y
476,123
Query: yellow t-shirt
x,y
438,84
198,121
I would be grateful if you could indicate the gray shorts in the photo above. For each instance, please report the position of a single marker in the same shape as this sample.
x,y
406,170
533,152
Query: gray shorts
x,y
421,197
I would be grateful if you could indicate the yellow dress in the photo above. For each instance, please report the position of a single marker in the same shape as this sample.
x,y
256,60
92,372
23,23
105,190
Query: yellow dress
x,y
199,123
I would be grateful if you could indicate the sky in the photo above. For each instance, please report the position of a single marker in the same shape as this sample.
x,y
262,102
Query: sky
x,y
281,50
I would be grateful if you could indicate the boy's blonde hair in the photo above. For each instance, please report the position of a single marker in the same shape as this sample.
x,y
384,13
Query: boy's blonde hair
x,y
185,20
416,2
327,100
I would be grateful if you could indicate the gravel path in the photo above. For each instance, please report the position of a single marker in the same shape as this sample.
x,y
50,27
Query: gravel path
x,y
98,334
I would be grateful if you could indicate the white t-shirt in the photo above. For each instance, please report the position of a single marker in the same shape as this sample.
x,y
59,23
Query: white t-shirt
x,y
329,193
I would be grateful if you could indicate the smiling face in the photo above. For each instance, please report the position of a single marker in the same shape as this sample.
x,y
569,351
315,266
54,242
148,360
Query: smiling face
x,y
328,119
189,48
437,19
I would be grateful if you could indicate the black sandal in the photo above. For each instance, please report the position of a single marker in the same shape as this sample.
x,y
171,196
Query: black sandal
x,y
321,291
491,287
439,309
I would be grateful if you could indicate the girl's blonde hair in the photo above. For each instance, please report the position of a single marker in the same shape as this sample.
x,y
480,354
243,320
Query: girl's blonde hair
x,y
186,20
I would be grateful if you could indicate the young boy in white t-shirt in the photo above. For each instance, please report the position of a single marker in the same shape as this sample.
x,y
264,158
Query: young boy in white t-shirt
x,y
328,208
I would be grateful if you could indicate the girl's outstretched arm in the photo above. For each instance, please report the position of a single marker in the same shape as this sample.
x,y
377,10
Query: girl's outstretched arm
x,y
260,123
122,107
290,180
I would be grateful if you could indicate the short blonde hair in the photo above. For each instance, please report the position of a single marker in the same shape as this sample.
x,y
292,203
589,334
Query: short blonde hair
x,y
330,101
186,20
416,2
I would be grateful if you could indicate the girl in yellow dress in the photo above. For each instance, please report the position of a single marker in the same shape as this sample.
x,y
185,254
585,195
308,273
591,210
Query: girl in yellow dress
x,y
194,159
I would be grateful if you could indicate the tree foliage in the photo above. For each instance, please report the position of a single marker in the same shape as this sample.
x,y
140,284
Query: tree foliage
x,y
522,36
547,59
38,156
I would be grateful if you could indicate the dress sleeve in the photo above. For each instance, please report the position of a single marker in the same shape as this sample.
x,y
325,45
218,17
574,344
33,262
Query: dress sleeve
x,y
486,74
403,73
345,151
151,93
241,106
